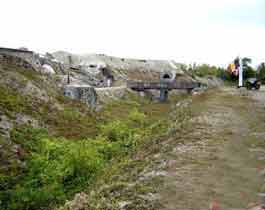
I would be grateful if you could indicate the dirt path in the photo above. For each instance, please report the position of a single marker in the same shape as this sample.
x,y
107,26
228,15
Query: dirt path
x,y
216,154
221,155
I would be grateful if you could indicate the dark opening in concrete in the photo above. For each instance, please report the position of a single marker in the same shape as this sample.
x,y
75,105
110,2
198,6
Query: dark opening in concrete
x,y
166,76
92,66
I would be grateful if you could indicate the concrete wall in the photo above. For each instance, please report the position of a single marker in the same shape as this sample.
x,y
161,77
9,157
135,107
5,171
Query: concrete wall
x,y
14,60
28,56
86,94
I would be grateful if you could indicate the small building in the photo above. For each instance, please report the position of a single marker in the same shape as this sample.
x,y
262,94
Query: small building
x,y
24,54
84,93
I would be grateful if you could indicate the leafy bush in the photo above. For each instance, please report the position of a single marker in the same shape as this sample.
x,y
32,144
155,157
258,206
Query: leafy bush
x,y
10,101
108,149
28,137
57,169
116,131
137,119
249,72
261,72
50,166
206,70
126,133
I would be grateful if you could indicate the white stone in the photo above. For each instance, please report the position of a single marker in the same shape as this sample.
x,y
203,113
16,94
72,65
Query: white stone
x,y
47,69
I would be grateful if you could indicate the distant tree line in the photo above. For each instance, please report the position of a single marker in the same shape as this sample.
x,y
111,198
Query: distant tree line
x,y
205,70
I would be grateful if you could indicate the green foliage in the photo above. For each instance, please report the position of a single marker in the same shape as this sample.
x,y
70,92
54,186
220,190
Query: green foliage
x,y
108,149
127,132
246,61
71,123
31,75
70,114
205,70
116,131
261,72
68,156
57,168
137,119
226,76
28,137
10,101
249,72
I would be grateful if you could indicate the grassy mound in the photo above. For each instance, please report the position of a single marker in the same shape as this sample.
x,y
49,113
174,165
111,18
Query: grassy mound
x,y
43,166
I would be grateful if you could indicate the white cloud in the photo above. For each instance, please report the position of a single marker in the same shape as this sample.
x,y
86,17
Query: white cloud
x,y
185,30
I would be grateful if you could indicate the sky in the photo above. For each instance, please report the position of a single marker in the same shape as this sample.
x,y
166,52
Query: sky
x,y
201,31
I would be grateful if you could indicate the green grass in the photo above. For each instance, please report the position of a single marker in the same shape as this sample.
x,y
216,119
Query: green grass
x,y
59,167
74,148
11,102
56,170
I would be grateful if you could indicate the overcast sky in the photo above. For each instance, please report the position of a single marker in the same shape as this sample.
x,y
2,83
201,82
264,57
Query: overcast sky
x,y
202,31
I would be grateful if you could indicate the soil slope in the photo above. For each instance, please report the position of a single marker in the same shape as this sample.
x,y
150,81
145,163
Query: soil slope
x,y
214,152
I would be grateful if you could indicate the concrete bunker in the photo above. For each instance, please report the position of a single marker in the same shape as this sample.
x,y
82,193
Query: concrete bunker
x,y
167,76
167,83
84,93
24,54
108,78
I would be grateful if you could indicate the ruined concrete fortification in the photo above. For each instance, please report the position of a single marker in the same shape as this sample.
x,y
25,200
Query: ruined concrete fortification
x,y
86,94
8,59
24,54
102,71
82,77
121,69
45,64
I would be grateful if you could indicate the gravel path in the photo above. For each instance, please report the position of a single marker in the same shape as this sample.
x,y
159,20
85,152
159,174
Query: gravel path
x,y
215,153
221,155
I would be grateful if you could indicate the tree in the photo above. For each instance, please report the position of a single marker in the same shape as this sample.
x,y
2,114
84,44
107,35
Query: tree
x,y
246,61
248,70
206,70
261,71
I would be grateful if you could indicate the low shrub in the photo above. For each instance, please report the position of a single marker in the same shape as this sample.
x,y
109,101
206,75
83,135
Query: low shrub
x,y
11,102
116,131
58,168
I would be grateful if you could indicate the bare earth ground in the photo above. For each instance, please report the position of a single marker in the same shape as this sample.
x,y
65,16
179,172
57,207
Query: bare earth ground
x,y
218,155
220,159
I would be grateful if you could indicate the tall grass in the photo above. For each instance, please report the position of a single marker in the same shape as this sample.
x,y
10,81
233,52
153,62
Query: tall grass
x,y
57,168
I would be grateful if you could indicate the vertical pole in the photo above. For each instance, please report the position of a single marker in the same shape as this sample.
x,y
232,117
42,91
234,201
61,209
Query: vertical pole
x,y
163,95
162,92
69,67
240,73
68,77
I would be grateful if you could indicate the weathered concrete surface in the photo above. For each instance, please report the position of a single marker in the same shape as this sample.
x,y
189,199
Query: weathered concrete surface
x,y
23,54
121,68
84,93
